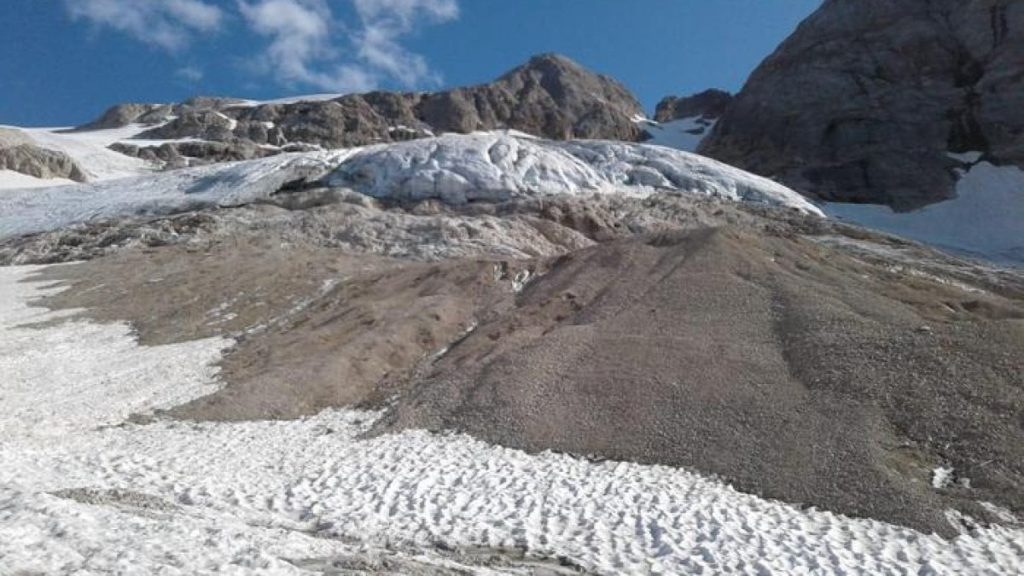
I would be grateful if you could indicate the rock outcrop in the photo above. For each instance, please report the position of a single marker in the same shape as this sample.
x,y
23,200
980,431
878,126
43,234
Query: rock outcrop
x,y
18,152
125,114
866,99
709,104
197,152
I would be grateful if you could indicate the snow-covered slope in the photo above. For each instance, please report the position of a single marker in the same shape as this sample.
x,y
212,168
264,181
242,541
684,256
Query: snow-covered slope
x,y
454,168
11,179
232,184
684,134
985,219
89,149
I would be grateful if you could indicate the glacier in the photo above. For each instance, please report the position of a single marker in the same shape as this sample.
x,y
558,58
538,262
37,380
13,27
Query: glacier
x,y
453,168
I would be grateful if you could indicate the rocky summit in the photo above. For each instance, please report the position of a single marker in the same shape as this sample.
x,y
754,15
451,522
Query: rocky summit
x,y
550,96
867,99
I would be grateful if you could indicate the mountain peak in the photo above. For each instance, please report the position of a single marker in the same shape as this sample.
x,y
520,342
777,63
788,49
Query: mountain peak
x,y
550,65
553,58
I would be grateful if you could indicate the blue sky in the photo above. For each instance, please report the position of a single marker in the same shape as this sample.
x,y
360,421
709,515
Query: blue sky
x,y
64,61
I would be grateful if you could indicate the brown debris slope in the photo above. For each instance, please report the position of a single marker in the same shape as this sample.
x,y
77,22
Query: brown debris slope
x,y
793,371
795,357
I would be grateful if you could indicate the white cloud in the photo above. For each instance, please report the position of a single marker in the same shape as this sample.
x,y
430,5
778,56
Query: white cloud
x,y
306,44
385,22
404,13
169,24
300,38
191,74
309,46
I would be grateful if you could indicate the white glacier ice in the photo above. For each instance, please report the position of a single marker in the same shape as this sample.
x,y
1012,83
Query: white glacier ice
x,y
453,168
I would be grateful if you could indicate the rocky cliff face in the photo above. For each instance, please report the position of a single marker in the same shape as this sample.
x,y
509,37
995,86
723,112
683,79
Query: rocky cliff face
x,y
709,104
866,99
549,96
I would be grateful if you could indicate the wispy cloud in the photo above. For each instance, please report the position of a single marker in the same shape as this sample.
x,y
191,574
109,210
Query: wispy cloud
x,y
306,44
168,24
300,49
309,46
385,23
191,74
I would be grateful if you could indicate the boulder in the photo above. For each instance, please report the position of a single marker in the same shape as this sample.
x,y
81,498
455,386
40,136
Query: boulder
x,y
18,152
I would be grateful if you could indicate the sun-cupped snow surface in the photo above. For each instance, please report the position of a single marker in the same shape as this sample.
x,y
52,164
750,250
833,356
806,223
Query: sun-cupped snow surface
x,y
457,168
684,134
66,357
261,497
985,219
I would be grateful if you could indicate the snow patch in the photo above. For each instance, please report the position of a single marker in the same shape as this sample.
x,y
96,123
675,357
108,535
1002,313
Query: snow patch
x,y
684,134
287,100
966,157
942,477
77,375
983,220
232,123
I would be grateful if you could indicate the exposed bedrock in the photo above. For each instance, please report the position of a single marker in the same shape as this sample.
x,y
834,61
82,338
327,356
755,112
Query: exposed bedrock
x,y
709,104
19,153
864,101
549,96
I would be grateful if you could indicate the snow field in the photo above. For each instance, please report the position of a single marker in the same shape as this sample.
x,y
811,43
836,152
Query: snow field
x,y
177,497
12,179
89,150
76,375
